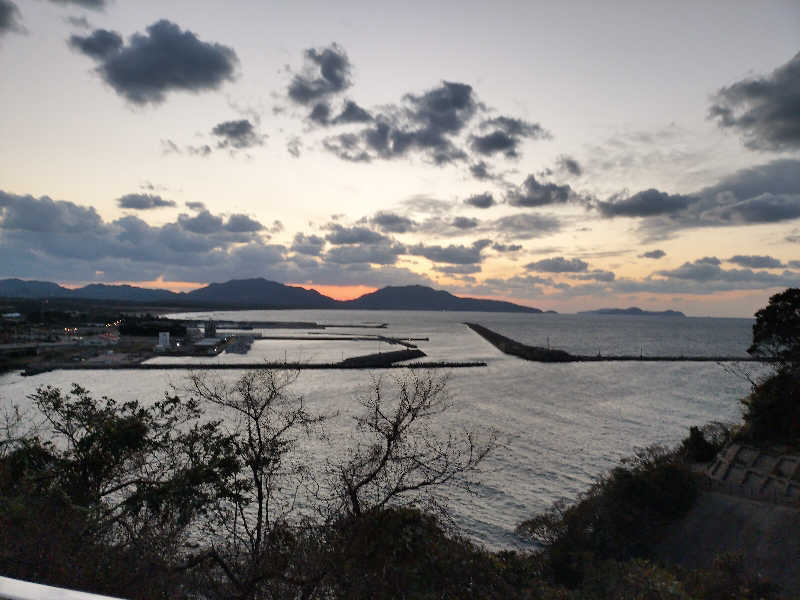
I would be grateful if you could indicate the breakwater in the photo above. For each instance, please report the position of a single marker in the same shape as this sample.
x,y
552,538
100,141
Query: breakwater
x,y
550,355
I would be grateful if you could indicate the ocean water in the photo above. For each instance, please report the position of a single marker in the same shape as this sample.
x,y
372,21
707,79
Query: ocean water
x,y
559,426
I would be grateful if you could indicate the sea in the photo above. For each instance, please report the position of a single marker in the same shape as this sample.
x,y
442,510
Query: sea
x,y
558,426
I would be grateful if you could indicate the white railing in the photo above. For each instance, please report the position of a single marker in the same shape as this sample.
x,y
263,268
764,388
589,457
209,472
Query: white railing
x,y
14,589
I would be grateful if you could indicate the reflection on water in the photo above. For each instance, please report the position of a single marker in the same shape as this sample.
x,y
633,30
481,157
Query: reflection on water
x,y
560,425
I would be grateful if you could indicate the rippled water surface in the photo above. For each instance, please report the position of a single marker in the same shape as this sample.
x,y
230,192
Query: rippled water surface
x,y
560,426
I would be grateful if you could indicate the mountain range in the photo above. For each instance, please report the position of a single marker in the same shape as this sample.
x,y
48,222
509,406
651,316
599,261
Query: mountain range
x,y
261,293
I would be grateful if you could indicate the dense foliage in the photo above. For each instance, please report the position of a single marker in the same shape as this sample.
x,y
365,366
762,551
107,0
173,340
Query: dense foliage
x,y
772,410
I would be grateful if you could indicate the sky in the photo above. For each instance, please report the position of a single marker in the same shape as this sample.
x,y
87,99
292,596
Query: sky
x,y
567,156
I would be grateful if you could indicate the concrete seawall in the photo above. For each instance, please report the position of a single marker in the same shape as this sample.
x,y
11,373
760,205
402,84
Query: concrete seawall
x,y
548,355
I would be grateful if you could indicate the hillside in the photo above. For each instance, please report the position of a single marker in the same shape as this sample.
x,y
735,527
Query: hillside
x,y
633,311
262,293
418,297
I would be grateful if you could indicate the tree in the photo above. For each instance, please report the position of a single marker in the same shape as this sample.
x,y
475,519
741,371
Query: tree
x,y
776,332
256,534
110,485
772,409
399,458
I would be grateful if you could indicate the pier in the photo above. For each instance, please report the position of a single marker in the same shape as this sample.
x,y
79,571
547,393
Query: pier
x,y
548,355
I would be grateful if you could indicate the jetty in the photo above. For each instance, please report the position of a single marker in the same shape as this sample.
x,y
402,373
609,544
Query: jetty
x,y
550,355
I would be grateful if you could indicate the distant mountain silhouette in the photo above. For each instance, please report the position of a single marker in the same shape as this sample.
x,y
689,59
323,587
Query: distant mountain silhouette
x,y
17,288
262,293
418,297
634,310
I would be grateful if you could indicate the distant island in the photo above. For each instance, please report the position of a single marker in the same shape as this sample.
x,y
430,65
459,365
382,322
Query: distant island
x,y
258,293
633,310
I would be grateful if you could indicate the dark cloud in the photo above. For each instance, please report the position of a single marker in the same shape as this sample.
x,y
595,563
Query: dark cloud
x,y
645,204
767,193
195,205
427,123
465,223
310,245
595,275
238,135
326,73
91,4
238,223
480,170
764,110
558,264
276,227
98,45
353,235
9,17
203,222
352,113
452,254
143,201
163,60
393,223
347,146
522,226
709,260
457,269
654,254
505,136
705,272
756,261
570,165
533,193
485,200
320,113
379,254
44,215
507,247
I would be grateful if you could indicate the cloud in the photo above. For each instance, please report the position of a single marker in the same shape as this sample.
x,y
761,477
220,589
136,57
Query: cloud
x,y
654,254
91,4
764,110
558,264
80,22
452,254
523,226
428,123
98,45
143,201
393,223
700,272
766,193
341,235
203,222
238,223
532,193
756,261
310,245
352,113
380,254
570,165
238,135
595,275
485,200
645,204
165,59
507,247
457,269
505,136
481,171
195,205
708,260
10,18
320,113
326,73
465,223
